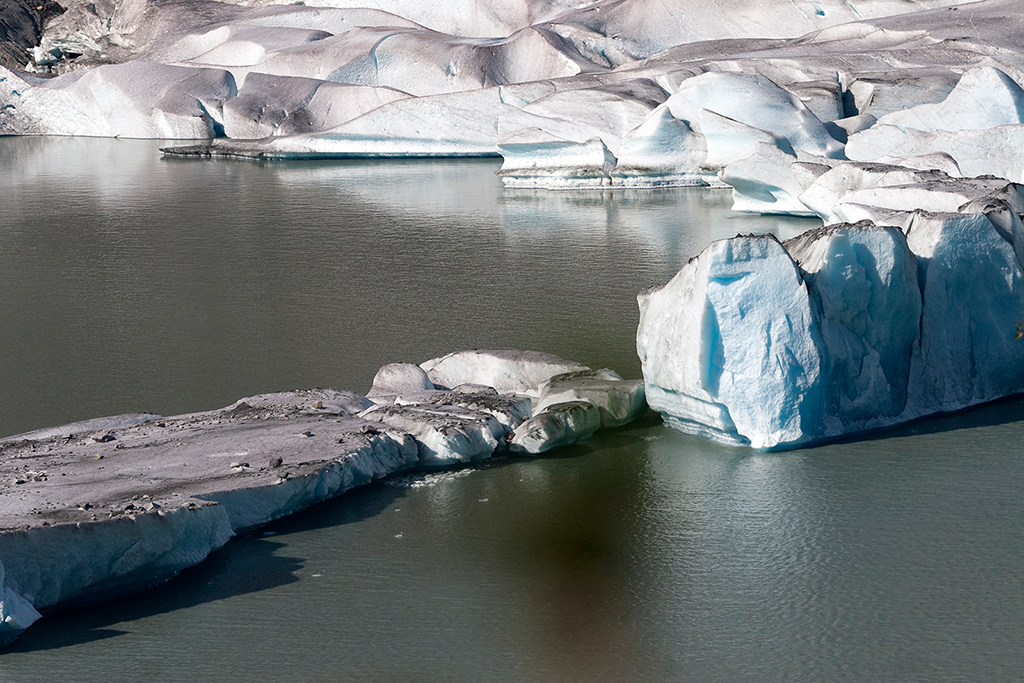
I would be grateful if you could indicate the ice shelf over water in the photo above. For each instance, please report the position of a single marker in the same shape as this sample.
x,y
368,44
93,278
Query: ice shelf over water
x,y
107,506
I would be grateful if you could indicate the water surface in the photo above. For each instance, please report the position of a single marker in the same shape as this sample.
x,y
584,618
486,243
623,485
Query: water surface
x,y
130,282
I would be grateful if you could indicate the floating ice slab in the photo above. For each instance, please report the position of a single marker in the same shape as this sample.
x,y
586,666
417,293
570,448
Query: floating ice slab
x,y
107,506
105,512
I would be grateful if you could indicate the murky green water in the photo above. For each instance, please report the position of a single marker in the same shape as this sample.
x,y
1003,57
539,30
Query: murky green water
x,y
129,282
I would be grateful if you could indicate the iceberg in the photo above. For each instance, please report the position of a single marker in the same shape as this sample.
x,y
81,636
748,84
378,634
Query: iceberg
x,y
844,329
121,503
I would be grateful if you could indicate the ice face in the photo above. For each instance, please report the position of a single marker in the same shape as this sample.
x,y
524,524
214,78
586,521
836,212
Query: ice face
x,y
972,297
559,424
618,401
863,281
753,366
760,89
16,613
868,328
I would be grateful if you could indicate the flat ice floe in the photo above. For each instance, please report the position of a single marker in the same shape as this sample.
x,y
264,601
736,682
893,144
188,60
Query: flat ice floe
x,y
108,506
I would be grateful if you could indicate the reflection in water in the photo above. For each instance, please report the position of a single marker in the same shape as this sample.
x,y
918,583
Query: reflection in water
x,y
129,282
133,282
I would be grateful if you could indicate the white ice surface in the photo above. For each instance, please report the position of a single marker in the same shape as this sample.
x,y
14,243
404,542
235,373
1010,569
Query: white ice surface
x,y
989,151
618,401
134,100
520,372
559,424
399,378
985,97
766,112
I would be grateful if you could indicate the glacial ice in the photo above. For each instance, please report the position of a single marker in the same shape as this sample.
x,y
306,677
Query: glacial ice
x,y
618,401
988,151
167,491
898,124
520,372
728,347
137,99
559,424
984,97
841,330
399,378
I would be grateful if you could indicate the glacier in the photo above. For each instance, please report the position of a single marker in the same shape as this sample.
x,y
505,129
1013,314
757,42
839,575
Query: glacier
x,y
896,123
121,503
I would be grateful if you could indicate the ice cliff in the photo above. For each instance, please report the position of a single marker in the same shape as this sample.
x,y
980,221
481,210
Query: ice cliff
x,y
844,329
107,506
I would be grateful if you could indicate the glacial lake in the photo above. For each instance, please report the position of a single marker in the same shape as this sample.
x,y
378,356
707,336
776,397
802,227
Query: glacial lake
x,y
130,282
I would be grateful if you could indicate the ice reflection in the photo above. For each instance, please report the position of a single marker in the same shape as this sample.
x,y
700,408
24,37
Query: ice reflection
x,y
173,285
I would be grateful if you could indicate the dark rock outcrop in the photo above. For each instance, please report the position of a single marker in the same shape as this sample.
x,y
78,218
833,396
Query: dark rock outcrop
x,y
21,26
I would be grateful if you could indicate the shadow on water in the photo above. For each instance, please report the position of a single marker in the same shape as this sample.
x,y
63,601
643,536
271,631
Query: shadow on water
x,y
249,563
1003,411
246,564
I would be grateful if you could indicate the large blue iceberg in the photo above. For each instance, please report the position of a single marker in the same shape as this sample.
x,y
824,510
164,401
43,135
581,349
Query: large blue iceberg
x,y
843,329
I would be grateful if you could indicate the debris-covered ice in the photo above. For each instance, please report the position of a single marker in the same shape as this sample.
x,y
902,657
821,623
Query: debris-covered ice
x,y
107,506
